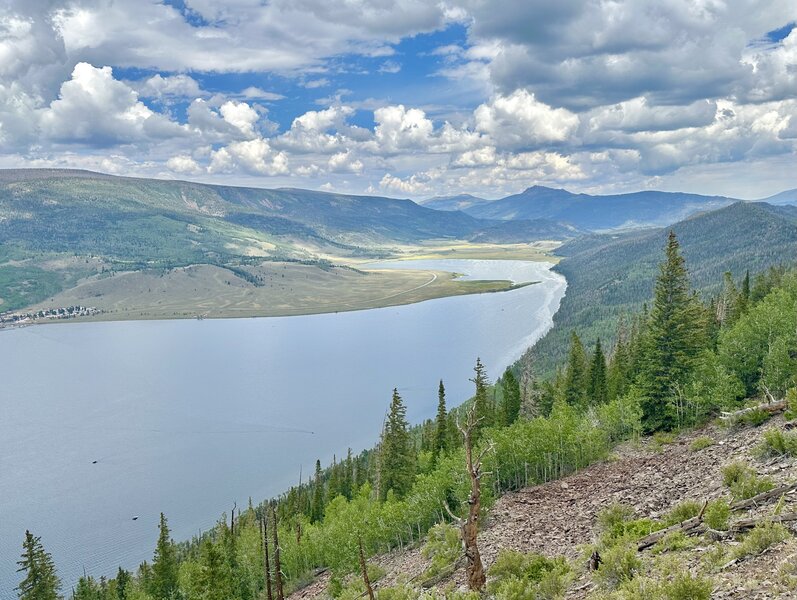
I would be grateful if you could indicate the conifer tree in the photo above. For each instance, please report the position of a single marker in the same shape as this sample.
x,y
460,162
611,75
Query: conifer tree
x,y
397,460
41,581
122,584
335,479
674,337
441,423
348,476
597,387
216,577
480,400
318,494
511,390
575,382
163,582
743,300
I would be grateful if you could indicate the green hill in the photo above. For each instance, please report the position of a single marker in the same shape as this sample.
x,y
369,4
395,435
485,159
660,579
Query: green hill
x,y
612,274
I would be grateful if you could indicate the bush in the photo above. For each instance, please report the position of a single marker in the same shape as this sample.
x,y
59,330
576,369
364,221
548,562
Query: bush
x,y
743,481
615,524
717,514
777,443
443,546
517,576
672,542
760,538
791,402
683,511
686,586
620,564
662,438
753,418
701,443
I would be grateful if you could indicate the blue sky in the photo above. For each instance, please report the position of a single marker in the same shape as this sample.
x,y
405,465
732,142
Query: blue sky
x,y
407,98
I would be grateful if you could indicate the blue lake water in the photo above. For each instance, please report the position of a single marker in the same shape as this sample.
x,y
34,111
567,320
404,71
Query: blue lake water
x,y
187,417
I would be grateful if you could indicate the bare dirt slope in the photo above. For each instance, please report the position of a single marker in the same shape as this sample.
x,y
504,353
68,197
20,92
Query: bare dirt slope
x,y
558,518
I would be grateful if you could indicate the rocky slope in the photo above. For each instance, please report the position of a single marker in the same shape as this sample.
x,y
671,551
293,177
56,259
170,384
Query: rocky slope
x,y
560,518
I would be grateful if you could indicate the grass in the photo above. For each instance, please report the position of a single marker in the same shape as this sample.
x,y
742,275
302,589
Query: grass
x,y
743,481
759,539
777,443
282,289
701,443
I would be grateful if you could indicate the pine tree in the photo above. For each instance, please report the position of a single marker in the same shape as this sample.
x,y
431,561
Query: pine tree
x,y
397,460
675,335
348,476
441,423
163,583
597,387
480,400
335,479
575,383
41,581
727,303
122,584
511,390
743,300
318,494
216,577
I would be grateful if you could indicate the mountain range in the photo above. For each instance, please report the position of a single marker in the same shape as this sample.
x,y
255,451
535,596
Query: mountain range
x,y
594,213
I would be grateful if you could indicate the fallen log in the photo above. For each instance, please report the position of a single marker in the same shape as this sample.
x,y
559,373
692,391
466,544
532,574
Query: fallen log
x,y
764,497
444,574
746,524
691,526
769,407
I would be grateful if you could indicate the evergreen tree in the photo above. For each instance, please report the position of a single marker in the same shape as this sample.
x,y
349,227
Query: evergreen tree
x,y
335,479
397,460
163,582
480,399
597,387
674,337
727,303
441,423
575,382
511,390
122,584
318,494
743,300
41,581
348,476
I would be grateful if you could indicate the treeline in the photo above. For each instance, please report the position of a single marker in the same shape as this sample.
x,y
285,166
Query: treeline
x,y
675,364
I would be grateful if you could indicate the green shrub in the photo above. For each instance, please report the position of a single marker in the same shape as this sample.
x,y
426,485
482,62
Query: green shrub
x,y
621,563
517,576
683,511
672,542
397,592
443,546
776,443
701,443
760,538
717,514
615,524
743,481
753,418
791,402
685,586
662,438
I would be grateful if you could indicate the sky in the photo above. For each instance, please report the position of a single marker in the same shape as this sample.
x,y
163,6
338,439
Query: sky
x,y
407,98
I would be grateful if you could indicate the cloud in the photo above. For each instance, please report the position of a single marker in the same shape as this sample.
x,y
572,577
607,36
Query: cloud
x,y
520,120
255,93
183,164
252,156
94,108
171,86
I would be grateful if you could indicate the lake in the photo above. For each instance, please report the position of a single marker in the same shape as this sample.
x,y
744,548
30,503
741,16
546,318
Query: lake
x,y
187,416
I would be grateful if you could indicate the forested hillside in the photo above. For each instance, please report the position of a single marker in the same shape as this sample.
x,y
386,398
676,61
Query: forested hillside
x,y
674,366
611,275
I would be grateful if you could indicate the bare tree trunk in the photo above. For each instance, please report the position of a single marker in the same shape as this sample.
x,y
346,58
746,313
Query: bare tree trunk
x,y
277,565
266,566
470,526
364,569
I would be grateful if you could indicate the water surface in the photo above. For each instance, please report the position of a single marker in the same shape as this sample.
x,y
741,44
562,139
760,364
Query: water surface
x,y
187,417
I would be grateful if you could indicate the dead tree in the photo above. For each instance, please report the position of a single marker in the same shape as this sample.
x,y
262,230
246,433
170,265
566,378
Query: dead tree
x,y
266,567
364,569
470,526
277,565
